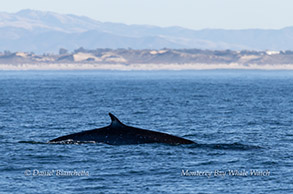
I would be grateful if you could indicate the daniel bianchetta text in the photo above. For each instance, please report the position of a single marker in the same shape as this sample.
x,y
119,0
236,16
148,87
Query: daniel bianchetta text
x,y
223,173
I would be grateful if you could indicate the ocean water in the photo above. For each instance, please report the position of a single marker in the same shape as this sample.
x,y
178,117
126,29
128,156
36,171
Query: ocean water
x,y
242,122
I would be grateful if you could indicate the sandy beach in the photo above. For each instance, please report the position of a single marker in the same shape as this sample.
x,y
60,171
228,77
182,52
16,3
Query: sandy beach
x,y
139,67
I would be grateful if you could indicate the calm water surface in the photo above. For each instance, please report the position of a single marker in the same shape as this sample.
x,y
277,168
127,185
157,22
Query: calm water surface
x,y
241,120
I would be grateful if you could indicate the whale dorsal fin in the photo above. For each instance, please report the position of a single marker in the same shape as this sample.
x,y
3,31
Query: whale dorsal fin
x,y
114,120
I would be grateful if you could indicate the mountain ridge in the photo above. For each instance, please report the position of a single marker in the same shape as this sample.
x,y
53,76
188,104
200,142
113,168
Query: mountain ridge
x,y
47,32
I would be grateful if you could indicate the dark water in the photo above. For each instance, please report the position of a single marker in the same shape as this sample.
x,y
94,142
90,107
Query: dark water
x,y
241,120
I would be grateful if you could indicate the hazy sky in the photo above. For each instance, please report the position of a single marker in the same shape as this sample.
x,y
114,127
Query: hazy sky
x,y
194,14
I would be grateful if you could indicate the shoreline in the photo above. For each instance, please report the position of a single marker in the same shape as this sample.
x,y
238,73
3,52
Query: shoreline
x,y
140,67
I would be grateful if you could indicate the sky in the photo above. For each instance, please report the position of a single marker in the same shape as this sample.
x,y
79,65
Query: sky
x,y
193,14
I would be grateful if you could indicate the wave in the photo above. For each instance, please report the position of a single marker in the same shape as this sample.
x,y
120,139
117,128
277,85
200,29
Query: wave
x,y
226,146
32,142
61,142
222,146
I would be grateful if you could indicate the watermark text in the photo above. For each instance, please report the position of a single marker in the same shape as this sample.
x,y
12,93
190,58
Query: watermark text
x,y
55,172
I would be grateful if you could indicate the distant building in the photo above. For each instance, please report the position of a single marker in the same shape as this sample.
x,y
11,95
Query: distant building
x,y
272,52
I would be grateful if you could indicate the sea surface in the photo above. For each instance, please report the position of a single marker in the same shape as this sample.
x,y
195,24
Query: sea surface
x,y
242,122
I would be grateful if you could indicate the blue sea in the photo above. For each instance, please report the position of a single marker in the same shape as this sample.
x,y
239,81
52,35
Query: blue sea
x,y
242,122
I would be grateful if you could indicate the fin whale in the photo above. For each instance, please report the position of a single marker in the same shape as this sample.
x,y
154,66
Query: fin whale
x,y
118,133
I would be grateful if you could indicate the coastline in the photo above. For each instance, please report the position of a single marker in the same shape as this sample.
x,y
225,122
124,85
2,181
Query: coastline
x,y
139,67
